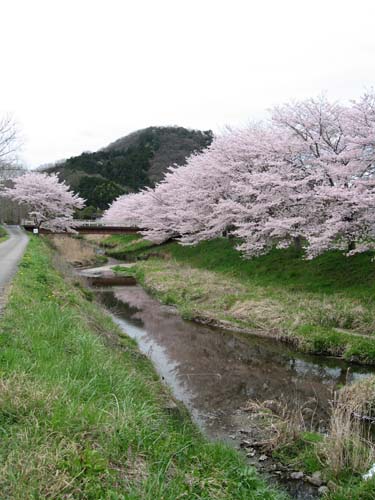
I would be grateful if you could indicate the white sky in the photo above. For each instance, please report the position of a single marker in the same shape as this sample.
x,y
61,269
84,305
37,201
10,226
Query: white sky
x,y
80,74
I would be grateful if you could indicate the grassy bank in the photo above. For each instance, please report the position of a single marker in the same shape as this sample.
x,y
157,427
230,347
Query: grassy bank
x,y
325,306
283,295
76,251
120,246
83,414
3,234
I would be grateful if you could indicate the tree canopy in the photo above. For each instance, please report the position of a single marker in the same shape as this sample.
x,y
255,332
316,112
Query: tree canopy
x,y
51,203
306,174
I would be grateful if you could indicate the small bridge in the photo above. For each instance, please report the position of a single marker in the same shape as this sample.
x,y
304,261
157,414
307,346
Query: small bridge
x,y
88,227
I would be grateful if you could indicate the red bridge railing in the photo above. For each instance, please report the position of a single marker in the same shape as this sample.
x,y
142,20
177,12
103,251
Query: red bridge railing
x,y
88,226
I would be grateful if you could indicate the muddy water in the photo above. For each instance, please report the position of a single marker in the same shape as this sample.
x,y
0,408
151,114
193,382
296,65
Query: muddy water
x,y
216,373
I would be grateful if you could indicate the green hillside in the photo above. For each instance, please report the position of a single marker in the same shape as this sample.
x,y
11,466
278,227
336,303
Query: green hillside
x,y
137,160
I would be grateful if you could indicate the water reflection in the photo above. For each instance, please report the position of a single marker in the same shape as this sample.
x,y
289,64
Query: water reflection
x,y
216,372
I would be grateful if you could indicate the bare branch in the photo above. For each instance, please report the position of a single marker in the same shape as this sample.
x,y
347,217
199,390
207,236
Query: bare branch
x,y
9,141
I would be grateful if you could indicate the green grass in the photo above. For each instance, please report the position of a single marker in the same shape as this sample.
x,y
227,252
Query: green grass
x,y
354,489
302,454
122,246
82,412
305,455
326,305
3,234
330,273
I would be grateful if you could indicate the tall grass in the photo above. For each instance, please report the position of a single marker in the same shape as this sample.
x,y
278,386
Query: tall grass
x,y
342,454
349,445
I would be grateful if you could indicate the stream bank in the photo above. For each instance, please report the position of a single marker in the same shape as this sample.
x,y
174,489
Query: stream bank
x,y
234,421
219,375
324,306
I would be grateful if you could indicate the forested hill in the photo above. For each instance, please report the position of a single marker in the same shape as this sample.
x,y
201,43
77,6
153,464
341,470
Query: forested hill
x,y
137,160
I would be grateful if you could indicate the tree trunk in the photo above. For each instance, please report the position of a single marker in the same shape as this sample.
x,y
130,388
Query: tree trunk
x,y
297,241
351,245
228,232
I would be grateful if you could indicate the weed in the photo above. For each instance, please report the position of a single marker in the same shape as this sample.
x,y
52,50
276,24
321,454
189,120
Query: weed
x,y
348,446
3,234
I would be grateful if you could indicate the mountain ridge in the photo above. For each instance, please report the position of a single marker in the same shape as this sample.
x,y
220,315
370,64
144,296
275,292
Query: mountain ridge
x,y
130,163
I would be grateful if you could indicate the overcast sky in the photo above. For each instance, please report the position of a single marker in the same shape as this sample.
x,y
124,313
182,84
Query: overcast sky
x,y
79,74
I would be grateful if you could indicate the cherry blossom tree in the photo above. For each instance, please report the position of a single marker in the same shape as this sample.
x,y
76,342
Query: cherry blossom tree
x,y
51,203
307,175
178,207
304,176
146,210
337,154
123,210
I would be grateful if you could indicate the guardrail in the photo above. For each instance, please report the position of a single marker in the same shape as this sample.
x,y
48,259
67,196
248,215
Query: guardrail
x,y
88,227
84,223
98,223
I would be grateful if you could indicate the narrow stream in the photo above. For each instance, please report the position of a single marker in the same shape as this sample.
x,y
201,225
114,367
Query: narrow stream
x,y
215,373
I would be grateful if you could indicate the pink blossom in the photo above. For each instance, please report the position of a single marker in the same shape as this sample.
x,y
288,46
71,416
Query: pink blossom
x,y
50,201
306,174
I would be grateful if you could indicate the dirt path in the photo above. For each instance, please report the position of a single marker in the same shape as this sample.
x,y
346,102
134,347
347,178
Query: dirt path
x,y
11,252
